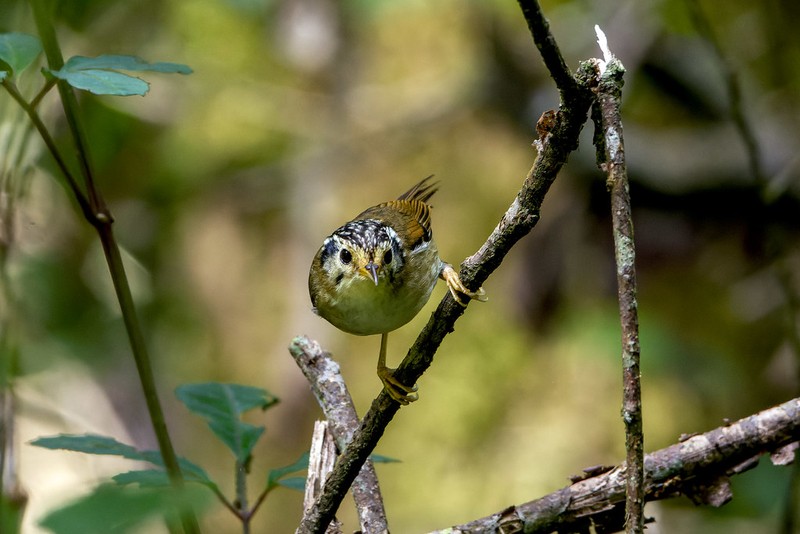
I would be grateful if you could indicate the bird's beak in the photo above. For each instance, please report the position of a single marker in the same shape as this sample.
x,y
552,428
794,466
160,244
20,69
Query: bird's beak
x,y
373,270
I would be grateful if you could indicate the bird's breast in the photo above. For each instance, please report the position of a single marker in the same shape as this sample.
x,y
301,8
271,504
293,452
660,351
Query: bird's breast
x,y
360,307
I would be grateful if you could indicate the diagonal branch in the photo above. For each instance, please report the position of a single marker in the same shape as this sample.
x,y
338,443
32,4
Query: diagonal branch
x,y
546,43
698,467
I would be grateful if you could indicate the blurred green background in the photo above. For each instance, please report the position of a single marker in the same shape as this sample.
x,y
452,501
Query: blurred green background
x,y
301,113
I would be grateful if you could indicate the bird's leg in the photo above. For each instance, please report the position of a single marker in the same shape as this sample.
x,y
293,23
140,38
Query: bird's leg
x,y
457,287
399,392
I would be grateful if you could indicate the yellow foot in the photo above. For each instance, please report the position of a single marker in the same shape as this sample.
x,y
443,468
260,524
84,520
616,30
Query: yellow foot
x,y
399,392
457,287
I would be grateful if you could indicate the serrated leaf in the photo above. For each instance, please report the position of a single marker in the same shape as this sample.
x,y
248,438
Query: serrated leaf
x,y
222,405
90,444
295,483
212,398
194,473
191,471
99,75
276,475
117,509
18,50
104,445
107,509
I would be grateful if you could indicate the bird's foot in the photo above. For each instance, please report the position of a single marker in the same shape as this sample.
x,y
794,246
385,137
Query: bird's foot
x,y
457,287
399,392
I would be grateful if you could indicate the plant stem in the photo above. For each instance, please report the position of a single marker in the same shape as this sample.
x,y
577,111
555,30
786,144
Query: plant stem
x,y
241,496
50,143
97,214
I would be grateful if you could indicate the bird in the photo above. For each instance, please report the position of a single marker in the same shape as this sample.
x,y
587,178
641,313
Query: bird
x,y
373,274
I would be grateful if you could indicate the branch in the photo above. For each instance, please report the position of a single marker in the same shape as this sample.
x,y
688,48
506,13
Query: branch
x,y
558,137
698,467
743,127
331,392
321,459
546,44
611,152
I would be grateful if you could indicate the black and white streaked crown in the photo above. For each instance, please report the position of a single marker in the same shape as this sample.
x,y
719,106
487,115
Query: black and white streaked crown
x,y
367,234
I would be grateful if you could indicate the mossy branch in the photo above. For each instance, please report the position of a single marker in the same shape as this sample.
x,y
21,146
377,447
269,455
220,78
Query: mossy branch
x,y
697,466
611,154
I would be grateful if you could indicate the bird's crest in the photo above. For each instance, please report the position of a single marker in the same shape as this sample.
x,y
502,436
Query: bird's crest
x,y
417,213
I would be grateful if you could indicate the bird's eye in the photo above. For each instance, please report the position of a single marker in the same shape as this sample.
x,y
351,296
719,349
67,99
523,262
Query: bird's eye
x,y
345,256
387,258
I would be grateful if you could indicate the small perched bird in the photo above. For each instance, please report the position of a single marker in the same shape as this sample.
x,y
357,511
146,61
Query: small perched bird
x,y
373,274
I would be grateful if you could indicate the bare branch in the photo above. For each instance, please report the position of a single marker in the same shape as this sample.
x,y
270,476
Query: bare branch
x,y
698,467
331,392
321,459
612,154
546,43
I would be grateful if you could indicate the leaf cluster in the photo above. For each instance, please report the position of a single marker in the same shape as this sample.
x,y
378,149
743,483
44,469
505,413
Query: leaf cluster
x,y
222,406
101,75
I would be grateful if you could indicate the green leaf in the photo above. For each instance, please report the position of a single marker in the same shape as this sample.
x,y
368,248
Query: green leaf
x,y
222,405
276,475
380,459
118,62
104,82
295,483
212,398
17,51
90,444
99,75
93,444
146,478
113,509
158,477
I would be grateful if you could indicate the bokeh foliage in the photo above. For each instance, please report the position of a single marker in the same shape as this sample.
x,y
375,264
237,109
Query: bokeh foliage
x,y
301,113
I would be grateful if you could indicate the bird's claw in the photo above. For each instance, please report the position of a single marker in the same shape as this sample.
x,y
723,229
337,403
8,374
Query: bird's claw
x,y
457,287
399,392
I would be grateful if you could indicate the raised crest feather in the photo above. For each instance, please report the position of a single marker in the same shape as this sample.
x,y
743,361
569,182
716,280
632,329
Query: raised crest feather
x,y
416,213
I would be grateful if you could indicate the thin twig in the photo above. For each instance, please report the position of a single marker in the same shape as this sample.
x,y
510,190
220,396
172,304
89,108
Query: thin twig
x,y
331,393
735,107
546,43
698,467
612,154
50,143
